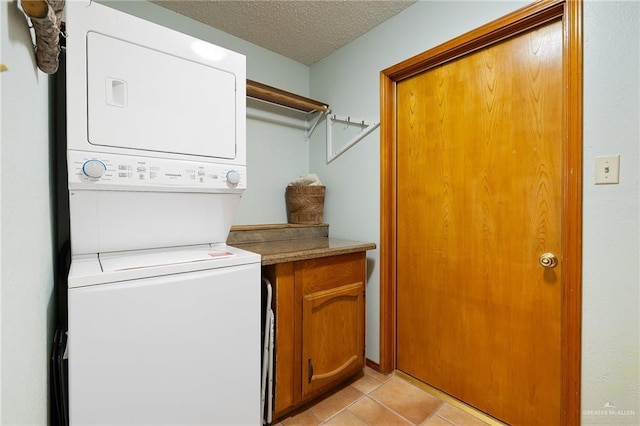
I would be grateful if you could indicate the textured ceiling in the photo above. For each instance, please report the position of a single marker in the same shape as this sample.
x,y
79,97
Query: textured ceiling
x,y
303,30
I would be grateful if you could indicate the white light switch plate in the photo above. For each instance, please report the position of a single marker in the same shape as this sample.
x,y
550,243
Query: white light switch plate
x,y
607,169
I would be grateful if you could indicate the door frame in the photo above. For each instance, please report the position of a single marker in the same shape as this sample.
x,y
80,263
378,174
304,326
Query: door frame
x,y
526,18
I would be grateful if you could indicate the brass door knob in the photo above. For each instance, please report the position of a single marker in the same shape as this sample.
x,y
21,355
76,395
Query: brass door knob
x,y
548,260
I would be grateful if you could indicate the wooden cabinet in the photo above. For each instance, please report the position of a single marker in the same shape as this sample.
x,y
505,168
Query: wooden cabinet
x,y
331,293
319,306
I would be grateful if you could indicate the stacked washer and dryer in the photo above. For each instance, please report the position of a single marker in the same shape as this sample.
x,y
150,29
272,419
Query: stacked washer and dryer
x,y
164,317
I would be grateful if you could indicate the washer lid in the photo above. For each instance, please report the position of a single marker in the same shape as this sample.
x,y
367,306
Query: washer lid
x,y
112,262
103,268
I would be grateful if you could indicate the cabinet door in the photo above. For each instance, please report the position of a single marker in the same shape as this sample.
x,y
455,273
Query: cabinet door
x,y
332,324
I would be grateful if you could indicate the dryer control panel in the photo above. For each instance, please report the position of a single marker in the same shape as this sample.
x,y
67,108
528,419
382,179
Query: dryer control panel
x,y
89,170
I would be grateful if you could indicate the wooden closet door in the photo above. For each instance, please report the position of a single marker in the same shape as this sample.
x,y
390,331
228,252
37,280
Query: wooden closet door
x,y
479,190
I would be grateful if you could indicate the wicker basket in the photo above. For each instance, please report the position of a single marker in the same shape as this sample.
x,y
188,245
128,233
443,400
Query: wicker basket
x,y
305,204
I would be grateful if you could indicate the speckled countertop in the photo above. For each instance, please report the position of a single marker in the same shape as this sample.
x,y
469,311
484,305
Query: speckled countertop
x,y
287,243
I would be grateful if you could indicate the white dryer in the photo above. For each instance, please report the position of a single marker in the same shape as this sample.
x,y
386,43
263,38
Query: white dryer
x,y
164,318
156,133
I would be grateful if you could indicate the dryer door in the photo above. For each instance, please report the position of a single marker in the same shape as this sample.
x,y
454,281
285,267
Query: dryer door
x,y
141,98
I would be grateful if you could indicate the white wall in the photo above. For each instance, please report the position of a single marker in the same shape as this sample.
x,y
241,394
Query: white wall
x,y
26,266
349,81
276,149
611,331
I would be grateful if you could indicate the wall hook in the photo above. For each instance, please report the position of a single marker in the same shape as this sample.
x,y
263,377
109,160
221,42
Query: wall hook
x,y
367,127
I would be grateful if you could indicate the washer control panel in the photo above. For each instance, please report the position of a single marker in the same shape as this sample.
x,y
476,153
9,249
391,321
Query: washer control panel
x,y
124,172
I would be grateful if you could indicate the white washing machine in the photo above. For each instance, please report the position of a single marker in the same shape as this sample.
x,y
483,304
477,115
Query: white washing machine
x,y
165,337
164,318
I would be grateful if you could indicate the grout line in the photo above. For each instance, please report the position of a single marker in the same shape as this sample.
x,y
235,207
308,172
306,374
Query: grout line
x,y
404,418
477,414
398,375
379,403
349,405
394,377
341,410
366,395
446,420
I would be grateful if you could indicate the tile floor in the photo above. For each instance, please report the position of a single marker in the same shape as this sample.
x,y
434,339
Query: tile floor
x,y
376,399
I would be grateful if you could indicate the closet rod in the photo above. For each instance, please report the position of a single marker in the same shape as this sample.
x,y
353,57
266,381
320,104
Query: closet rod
x,y
277,96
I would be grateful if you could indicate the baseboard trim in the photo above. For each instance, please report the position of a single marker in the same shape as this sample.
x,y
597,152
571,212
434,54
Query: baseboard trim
x,y
372,364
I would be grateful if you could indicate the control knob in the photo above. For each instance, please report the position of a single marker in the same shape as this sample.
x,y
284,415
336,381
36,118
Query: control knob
x,y
233,177
94,168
